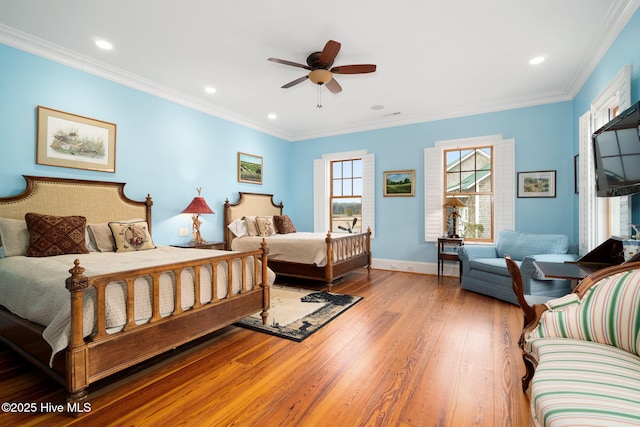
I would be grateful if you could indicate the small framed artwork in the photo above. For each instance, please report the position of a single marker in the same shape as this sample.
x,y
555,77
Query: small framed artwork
x,y
537,184
71,141
249,168
399,183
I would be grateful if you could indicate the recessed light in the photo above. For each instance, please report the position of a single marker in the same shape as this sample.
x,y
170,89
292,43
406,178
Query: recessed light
x,y
210,89
272,116
537,60
103,44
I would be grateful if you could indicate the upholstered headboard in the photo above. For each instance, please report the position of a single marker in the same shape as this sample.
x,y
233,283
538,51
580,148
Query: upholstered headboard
x,y
98,201
248,204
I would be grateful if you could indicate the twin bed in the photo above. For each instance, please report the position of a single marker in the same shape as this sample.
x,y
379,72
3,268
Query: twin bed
x,y
119,309
114,313
297,254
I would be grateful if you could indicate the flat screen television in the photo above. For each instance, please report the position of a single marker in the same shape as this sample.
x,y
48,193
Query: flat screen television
x,y
616,148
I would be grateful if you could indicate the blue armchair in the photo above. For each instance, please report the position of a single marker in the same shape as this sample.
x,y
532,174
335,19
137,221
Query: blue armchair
x,y
484,269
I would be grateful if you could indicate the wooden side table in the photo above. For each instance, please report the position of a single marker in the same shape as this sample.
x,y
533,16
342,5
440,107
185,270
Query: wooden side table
x,y
208,245
448,251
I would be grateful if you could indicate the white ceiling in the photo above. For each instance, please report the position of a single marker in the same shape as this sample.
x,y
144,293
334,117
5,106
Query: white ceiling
x,y
435,59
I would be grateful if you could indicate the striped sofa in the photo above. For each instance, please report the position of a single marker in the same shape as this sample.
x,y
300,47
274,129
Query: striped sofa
x,y
584,350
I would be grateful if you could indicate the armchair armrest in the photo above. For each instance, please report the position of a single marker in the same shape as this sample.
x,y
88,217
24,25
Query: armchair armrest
x,y
468,252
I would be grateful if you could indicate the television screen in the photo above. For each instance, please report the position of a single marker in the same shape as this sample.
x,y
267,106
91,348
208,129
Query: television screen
x,y
617,154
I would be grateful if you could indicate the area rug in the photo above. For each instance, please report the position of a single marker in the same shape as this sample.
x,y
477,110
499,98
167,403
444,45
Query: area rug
x,y
297,313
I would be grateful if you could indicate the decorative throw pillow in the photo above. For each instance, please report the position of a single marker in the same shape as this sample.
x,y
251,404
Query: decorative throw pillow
x,y
102,238
252,226
283,224
131,236
238,227
51,235
14,236
265,225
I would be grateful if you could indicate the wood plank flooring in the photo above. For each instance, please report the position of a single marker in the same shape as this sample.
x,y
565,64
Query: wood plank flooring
x,y
413,352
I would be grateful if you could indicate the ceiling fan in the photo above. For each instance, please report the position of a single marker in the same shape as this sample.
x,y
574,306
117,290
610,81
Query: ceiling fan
x,y
319,63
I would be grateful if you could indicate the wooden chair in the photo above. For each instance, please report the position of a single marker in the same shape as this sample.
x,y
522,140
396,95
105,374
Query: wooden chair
x,y
530,316
516,285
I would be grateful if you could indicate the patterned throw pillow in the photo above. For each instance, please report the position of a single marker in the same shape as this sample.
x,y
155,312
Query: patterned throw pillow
x,y
131,236
265,225
51,235
283,224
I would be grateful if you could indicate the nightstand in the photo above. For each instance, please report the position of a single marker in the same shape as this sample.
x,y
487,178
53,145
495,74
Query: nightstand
x,y
448,251
208,245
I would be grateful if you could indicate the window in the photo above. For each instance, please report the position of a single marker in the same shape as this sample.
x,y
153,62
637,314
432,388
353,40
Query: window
x,y
346,195
469,178
358,180
502,177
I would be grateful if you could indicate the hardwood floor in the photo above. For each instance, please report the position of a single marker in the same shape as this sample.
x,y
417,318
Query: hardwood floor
x,y
413,352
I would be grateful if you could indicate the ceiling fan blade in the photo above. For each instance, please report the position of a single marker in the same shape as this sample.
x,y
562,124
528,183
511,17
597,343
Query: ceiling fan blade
x,y
285,62
354,69
295,82
329,53
333,86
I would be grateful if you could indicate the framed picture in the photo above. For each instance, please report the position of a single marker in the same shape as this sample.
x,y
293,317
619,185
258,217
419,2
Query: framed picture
x,y
249,168
399,183
537,184
72,141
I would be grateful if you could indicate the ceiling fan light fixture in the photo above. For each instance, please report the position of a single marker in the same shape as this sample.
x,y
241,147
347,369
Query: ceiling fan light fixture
x,y
320,76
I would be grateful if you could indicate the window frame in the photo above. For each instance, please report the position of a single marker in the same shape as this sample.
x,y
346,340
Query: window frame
x,y
490,193
351,178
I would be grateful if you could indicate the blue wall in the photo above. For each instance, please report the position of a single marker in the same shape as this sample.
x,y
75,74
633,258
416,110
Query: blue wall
x,y
544,141
162,148
168,150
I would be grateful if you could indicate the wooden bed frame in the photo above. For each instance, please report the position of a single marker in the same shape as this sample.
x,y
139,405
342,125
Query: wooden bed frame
x,y
250,204
85,361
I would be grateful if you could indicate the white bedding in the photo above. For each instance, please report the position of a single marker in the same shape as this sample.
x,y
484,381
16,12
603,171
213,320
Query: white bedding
x,y
42,298
301,247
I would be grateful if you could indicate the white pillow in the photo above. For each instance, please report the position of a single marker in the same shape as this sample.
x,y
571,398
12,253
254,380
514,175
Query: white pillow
x,y
15,236
238,227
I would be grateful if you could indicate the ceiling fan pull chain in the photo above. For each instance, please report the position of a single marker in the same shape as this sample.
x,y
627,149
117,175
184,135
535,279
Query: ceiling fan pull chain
x,y
319,105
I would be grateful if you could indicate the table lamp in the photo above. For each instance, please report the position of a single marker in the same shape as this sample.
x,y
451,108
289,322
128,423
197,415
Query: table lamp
x,y
454,203
196,207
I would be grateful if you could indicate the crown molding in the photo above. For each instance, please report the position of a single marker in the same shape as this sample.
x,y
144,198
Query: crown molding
x,y
34,45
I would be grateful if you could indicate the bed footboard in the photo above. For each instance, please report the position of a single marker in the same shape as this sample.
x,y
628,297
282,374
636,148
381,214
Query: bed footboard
x,y
104,353
347,253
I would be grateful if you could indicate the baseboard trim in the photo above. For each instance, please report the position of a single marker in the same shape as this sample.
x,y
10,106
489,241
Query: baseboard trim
x,y
450,268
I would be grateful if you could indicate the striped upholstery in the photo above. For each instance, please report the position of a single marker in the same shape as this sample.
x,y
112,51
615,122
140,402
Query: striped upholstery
x,y
588,371
609,313
581,383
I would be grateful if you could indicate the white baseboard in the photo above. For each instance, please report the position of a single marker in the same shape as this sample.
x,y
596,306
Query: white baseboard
x,y
450,268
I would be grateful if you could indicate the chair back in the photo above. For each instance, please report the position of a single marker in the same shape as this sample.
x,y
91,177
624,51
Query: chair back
x,y
516,285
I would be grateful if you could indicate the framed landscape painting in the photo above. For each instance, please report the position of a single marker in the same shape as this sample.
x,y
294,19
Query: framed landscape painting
x,y
71,141
399,183
249,168
537,184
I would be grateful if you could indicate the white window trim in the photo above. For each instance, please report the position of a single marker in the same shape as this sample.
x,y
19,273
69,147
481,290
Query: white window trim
x,y
503,181
596,211
322,189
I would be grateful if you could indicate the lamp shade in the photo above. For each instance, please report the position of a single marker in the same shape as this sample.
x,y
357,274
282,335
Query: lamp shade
x,y
454,203
198,206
